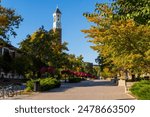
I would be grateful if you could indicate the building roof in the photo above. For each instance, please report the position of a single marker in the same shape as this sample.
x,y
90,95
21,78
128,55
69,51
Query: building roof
x,y
57,10
5,44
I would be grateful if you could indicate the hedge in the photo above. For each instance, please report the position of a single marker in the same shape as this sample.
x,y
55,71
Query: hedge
x,y
74,80
45,84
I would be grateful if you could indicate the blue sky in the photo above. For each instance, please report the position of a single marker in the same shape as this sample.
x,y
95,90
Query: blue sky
x,y
39,12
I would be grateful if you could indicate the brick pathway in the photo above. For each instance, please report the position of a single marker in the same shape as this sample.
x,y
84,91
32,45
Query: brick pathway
x,y
86,90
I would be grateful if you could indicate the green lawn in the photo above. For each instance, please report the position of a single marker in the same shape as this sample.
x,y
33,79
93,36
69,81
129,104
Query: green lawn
x,y
141,90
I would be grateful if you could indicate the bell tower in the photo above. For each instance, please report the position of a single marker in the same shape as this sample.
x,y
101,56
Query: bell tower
x,y
57,23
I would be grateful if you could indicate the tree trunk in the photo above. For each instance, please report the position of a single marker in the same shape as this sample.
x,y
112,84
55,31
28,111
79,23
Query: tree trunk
x,y
133,77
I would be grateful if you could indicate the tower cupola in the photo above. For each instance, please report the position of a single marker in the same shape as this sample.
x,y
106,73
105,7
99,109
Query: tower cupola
x,y
57,19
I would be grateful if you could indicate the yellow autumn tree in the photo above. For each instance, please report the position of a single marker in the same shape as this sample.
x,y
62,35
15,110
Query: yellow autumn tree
x,y
121,42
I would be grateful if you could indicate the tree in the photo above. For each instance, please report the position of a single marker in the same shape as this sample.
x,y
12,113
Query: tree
x,y
43,49
20,65
88,68
139,10
8,22
75,63
122,42
100,61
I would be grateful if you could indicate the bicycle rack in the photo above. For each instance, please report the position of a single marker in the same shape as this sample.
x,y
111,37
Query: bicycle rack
x,y
9,91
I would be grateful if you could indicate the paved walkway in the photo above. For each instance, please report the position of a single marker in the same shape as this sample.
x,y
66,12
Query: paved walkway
x,y
85,90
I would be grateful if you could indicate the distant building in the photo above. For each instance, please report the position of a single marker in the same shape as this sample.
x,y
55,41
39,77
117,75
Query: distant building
x,y
90,65
6,48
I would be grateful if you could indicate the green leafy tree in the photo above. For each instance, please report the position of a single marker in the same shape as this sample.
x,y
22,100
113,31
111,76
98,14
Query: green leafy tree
x,y
43,49
139,10
20,65
88,67
74,63
8,22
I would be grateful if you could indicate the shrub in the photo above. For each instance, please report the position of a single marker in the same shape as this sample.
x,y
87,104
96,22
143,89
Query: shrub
x,y
30,85
74,80
28,89
141,90
49,83
144,93
45,84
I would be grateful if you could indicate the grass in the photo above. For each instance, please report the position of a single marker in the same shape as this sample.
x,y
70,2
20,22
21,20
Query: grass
x,y
141,90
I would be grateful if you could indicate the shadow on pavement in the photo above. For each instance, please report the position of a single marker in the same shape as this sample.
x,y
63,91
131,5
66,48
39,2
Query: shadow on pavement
x,y
87,83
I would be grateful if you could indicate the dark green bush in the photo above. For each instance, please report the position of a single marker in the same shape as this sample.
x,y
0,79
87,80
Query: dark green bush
x,y
45,84
74,80
49,83
141,90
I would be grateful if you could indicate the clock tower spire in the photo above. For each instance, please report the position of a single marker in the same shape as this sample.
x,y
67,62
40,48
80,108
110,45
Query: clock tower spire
x,y
57,23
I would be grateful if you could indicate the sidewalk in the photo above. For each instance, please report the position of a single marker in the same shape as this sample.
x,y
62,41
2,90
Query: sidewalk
x,y
85,90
